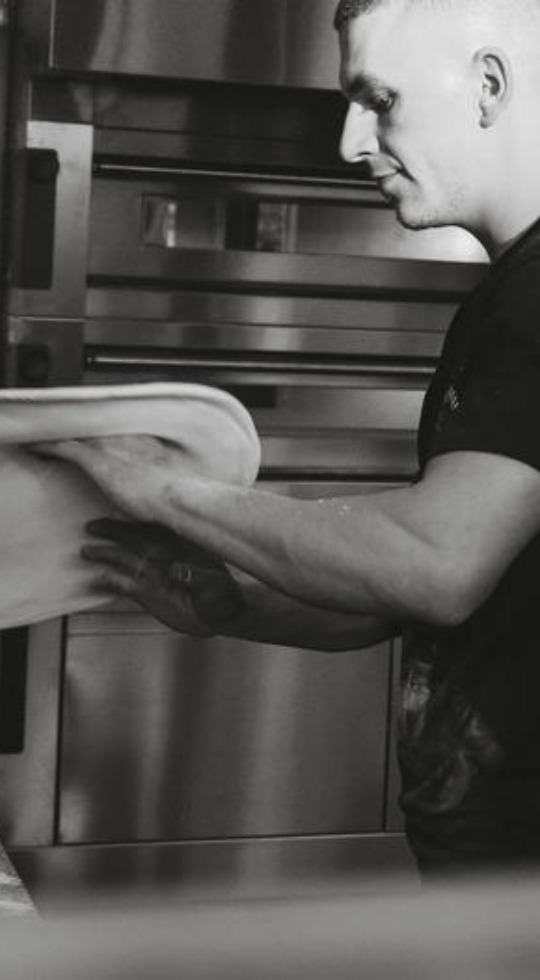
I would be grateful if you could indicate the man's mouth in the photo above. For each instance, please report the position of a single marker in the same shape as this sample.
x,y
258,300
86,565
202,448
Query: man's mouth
x,y
386,184
381,171
386,181
384,171
384,164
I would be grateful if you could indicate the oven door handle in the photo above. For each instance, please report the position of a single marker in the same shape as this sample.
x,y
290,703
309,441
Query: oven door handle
x,y
413,372
33,266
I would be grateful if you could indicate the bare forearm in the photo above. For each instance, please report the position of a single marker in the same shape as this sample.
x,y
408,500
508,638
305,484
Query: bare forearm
x,y
432,552
269,616
192,592
336,554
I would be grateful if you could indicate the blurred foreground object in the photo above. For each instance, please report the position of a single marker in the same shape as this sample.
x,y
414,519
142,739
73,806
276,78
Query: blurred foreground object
x,y
14,899
483,932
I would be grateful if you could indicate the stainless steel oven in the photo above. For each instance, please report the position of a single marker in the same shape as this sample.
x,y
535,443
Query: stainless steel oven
x,y
196,224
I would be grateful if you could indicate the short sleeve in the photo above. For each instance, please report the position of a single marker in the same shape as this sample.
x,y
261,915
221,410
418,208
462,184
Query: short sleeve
x,y
489,393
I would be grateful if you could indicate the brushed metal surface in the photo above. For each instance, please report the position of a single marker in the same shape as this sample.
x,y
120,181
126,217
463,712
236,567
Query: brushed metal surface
x,y
168,737
375,456
262,42
123,312
174,738
395,348
88,877
318,274
145,321
44,352
66,297
265,151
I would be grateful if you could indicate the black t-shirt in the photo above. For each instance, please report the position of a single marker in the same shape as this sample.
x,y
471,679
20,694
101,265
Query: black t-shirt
x,y
469,739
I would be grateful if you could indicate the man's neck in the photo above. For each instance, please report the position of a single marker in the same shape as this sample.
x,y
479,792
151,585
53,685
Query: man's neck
x,y
501,228
499,248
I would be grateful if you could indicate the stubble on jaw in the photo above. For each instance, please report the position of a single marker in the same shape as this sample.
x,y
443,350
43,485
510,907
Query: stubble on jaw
x,y
416,216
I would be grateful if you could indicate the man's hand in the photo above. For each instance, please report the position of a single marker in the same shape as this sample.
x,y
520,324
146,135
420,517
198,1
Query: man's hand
x,y
180,584
139,474
189,590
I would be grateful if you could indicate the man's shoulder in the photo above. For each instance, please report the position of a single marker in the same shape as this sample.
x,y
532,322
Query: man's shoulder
x,y
520,266
509,297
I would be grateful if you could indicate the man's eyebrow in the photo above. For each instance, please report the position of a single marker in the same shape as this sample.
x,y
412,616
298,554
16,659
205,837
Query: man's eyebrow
x,y
361,84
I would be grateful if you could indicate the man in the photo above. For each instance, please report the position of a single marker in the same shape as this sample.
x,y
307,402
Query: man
x,y
443,110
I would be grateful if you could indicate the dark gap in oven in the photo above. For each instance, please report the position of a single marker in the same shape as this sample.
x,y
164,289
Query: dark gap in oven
x,y
311,290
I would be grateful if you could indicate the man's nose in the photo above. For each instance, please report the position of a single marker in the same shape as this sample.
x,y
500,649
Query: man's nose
x,y
359,138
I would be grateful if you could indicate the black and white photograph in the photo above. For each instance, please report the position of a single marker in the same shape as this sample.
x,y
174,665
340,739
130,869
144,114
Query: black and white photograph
x,y
269,489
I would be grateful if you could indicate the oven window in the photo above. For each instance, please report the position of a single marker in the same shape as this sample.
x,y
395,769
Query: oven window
x,y
303,227
183,222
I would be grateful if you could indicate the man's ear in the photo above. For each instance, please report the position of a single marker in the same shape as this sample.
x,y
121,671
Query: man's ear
x,y
494,72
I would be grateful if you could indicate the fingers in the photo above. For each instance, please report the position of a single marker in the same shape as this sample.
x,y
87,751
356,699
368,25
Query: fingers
x,y
149,543
121,572
126,572
103,554
150,538
124,533
114,583
135,567
72,450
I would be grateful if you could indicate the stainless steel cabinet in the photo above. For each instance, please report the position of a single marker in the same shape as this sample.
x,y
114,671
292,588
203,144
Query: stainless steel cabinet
x,y
166,737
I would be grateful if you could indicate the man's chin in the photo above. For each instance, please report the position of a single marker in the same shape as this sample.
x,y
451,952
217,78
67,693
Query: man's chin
x,y
411,220
416,218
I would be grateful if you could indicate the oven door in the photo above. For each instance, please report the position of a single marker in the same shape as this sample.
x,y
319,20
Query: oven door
x,y
166,737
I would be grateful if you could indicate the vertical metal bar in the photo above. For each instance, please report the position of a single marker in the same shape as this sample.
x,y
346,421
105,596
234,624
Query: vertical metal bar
x,y
28,777
71,145
13,674
8,10
393,821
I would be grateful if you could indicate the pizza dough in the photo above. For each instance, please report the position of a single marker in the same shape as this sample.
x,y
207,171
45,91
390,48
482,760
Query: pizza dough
x,y
45,504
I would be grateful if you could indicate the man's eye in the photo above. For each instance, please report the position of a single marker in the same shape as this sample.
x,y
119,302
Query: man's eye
x,y
382,104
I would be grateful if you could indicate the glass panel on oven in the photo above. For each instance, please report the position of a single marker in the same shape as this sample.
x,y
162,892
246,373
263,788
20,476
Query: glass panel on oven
x,y
328,228
303,227
183,222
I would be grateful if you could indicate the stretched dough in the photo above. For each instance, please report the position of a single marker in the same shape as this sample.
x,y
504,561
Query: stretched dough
x,y
46,503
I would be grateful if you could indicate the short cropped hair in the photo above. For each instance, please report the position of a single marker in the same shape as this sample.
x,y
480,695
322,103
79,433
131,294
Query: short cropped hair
x,y
349,9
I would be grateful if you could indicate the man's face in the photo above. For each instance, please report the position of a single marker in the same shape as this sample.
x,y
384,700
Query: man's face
x,y
412,116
